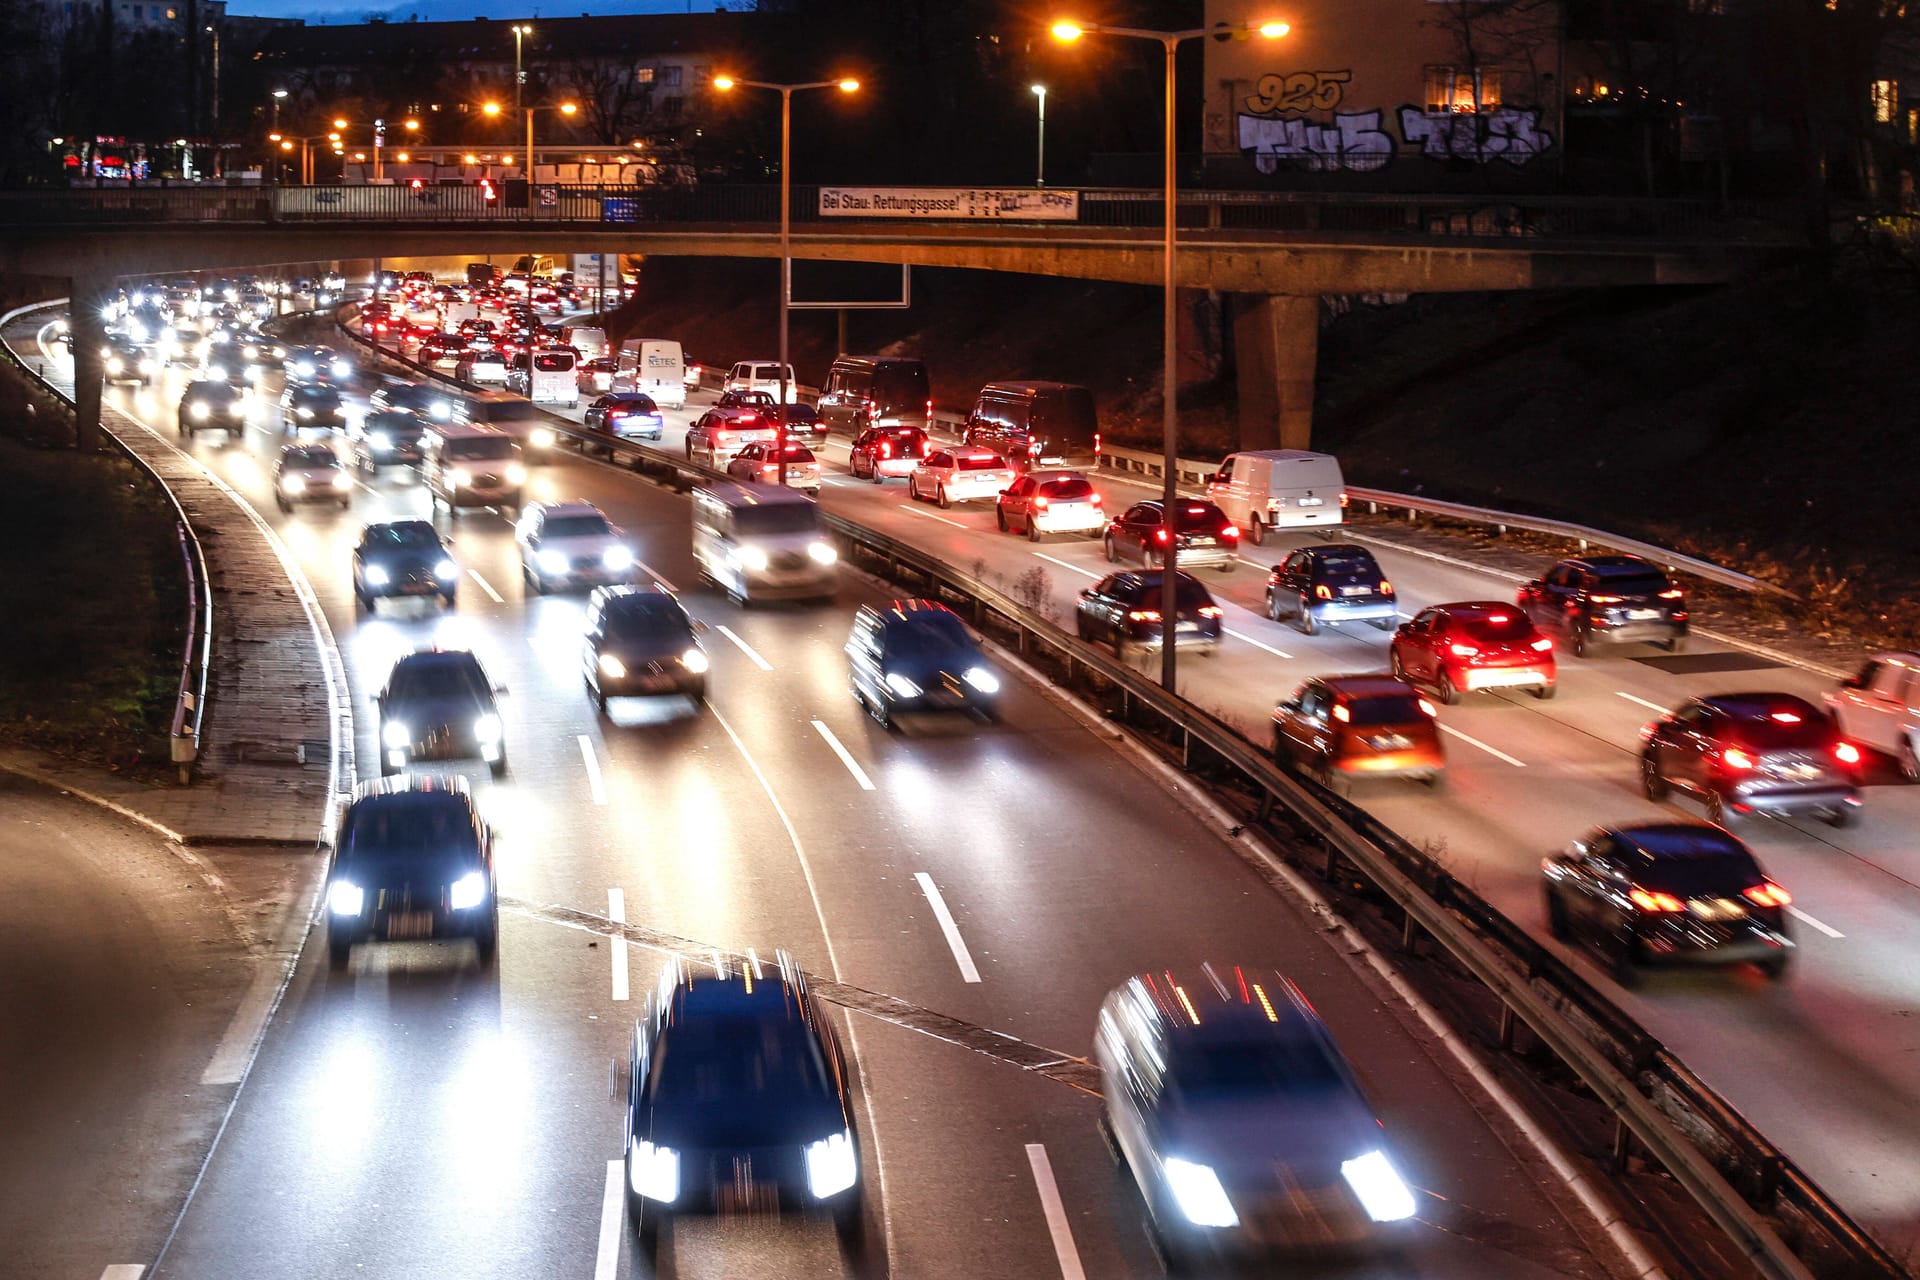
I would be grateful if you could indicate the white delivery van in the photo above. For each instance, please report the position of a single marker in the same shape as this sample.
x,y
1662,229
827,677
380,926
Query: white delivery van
x,y
590,340
654,367
455,313
1279,489
762,542
552,377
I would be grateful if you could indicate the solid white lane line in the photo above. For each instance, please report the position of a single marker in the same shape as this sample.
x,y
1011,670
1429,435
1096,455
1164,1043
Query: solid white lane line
x,y
655,574
1822,926
1057,1225
1495,752
593,770
1070,568
124,1271
744,647
487,587
235,1050
617,912
1258,644
846,757
1651,706
907,506
948,927
606,1263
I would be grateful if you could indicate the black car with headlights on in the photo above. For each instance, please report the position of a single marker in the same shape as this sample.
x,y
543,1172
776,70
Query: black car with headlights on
x,y
386,438
413,861
1668,892
403,558
122,361
1596,598
429,402
312,408
438,705
1123,609
1330,585
1240,1119
1744,753
739,1101
916,655
213,405
640,643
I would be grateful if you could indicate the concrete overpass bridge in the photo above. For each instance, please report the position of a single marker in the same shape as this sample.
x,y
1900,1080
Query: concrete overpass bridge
x,y
1276,251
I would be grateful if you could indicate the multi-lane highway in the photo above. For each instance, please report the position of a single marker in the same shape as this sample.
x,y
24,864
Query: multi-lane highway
x,y
416,1116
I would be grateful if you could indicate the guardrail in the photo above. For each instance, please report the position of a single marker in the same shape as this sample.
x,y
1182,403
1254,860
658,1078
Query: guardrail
x,y
1745,1184
196,656
1443,215
1194,473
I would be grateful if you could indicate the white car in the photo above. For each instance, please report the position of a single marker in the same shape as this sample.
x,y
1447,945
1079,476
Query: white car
x,y
762,375
959,474
564,544
1880,708
310,473
760,464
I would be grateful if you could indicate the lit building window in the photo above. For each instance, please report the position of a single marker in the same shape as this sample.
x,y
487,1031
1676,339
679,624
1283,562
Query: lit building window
x,y
1886,100
643,75
1451,90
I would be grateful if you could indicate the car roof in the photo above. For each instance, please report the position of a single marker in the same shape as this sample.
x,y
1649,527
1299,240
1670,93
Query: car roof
x,y
1368,686
1030,387
1758,706
415,788
1676,841
400,524
1614,566
565,508
1225,1001
438,658
1481,608
1336,549
970,451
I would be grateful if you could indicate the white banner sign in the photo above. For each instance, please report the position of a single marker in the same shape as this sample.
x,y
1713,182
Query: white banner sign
x,y
1022,203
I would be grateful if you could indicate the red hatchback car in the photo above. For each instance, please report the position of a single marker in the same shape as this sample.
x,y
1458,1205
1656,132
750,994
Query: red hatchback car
x,y
1481,644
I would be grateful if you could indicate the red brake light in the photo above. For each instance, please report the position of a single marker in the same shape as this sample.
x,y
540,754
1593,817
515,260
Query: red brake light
x,y
1464,650
1654,900
1040,503
1209,610
1341,714
1386,588
1323,593
1542,645
886,449
1096,499
1785,717
1604,599
1344,499
1428,709
1768,894
1672,593
1846,753
1159,535
1144,615
1229,532
1735,758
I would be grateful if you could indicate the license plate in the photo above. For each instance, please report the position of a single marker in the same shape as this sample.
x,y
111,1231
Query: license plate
x,y
1312,502
1355,591
410,924
1716,908
1643,613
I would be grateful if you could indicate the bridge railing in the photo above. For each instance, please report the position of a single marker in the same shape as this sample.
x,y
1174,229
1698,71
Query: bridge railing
x,y
1280,212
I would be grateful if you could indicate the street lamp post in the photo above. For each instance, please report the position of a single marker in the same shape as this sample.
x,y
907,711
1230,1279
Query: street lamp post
x,y
286,142
279,96
521,31
786,91
1040,160
1067,32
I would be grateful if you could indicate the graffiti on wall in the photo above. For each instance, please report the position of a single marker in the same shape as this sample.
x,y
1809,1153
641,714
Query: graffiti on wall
x,y
1353,141
1273,134
1298,91
1505,133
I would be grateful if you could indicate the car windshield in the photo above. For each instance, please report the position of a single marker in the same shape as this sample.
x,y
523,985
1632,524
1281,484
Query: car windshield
x,y
725,1059
396,424
387,826
637,620
1390,708
794,452
317,397
485,450
1228,1068
933,635
1707,875
1066,490
410,535
551,363
992,462
319,456
435,680
775,517
215,391
593,525
1631,583
636,404
1494,628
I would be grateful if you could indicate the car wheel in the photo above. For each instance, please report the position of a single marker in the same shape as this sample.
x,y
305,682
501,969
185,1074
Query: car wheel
x,y
940,497
1557,923
875,474
1435,780
1113,552
1308,626
1545,691
1773,968
1717,811
1033,530
1582,640
1841,816
1397,667
1443,689
1652,782
1273,606
1256,531
1000,519
600,700
1676,644
499,767
281,502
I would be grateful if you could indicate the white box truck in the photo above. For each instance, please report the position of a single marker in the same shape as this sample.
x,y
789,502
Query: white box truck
x,y
1279,489
655,367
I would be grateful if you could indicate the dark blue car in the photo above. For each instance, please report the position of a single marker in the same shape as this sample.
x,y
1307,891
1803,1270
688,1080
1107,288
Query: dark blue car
x,y
916,655
413,861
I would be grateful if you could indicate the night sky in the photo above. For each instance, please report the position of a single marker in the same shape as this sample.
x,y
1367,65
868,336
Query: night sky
x,y
341,11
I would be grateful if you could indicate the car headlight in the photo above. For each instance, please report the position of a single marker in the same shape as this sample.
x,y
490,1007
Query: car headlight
x,y
459,477
341,369
901,685
342,480
822,553
293,483
550,561
303,412
137,331
395,735
612,667
250,352
380,440
440,410
149,366
982,679
446,571
345,898
220,337
751,557
833,1164
303,369
469,891
252,373
542,437
1378,1184
695,660
115,364
376,575
516,474
653,1171
487,728
198,410
616,559
1197,1190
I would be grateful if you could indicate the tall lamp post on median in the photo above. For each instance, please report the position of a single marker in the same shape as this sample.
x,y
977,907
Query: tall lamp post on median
x,y
726,84
273,132
1040,160
565,109
1067,32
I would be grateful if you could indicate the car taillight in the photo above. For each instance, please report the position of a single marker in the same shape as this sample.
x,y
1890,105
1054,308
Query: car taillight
x,y
886,449
1654,900
1604,599
1735,758
1323,592
1096,445
769,468
1096,500
1846,753
1542,645
1673,593
1344,499
926,447
929,409
1209,610
1342,714
1464,650
1767,894
1386,588
1144,615
1159,535
1229,532
1040,504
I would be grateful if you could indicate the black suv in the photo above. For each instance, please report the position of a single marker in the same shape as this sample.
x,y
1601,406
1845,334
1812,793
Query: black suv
x,y
640,643
1123,609
1202,535
403,558
1331,584
415,397
312,408
413,861
438,705
1596,598
739,1101
386,437
1685,892
1753,753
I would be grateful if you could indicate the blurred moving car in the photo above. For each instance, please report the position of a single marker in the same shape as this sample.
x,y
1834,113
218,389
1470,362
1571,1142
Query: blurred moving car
x,y
570,543
1880,708
122,361
724,430
413,860
1330,585
916,655
640,643
317,364
482,368
760,464
1240,1119
213,404
429,402
1201,537
762,542
959,474
439,705
1746,753
386,437
311,473
1655,892
880,452
596,375
1353,726
317,408
1044,502
739,1100
626,414
1466,647
403,558
1593,598
1123,609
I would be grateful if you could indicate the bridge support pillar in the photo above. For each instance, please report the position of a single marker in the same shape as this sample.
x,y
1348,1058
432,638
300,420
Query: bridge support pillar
x,y
1276,345
85,298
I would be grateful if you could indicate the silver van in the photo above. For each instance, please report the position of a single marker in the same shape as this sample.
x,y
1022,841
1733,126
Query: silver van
x,y
763,542
472,466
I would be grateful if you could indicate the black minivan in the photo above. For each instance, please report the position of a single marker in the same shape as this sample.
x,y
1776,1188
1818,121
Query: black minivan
x,y
876,391
1033,424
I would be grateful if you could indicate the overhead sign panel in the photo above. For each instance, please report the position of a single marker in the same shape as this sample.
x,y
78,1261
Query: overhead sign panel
x,y
1022,204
